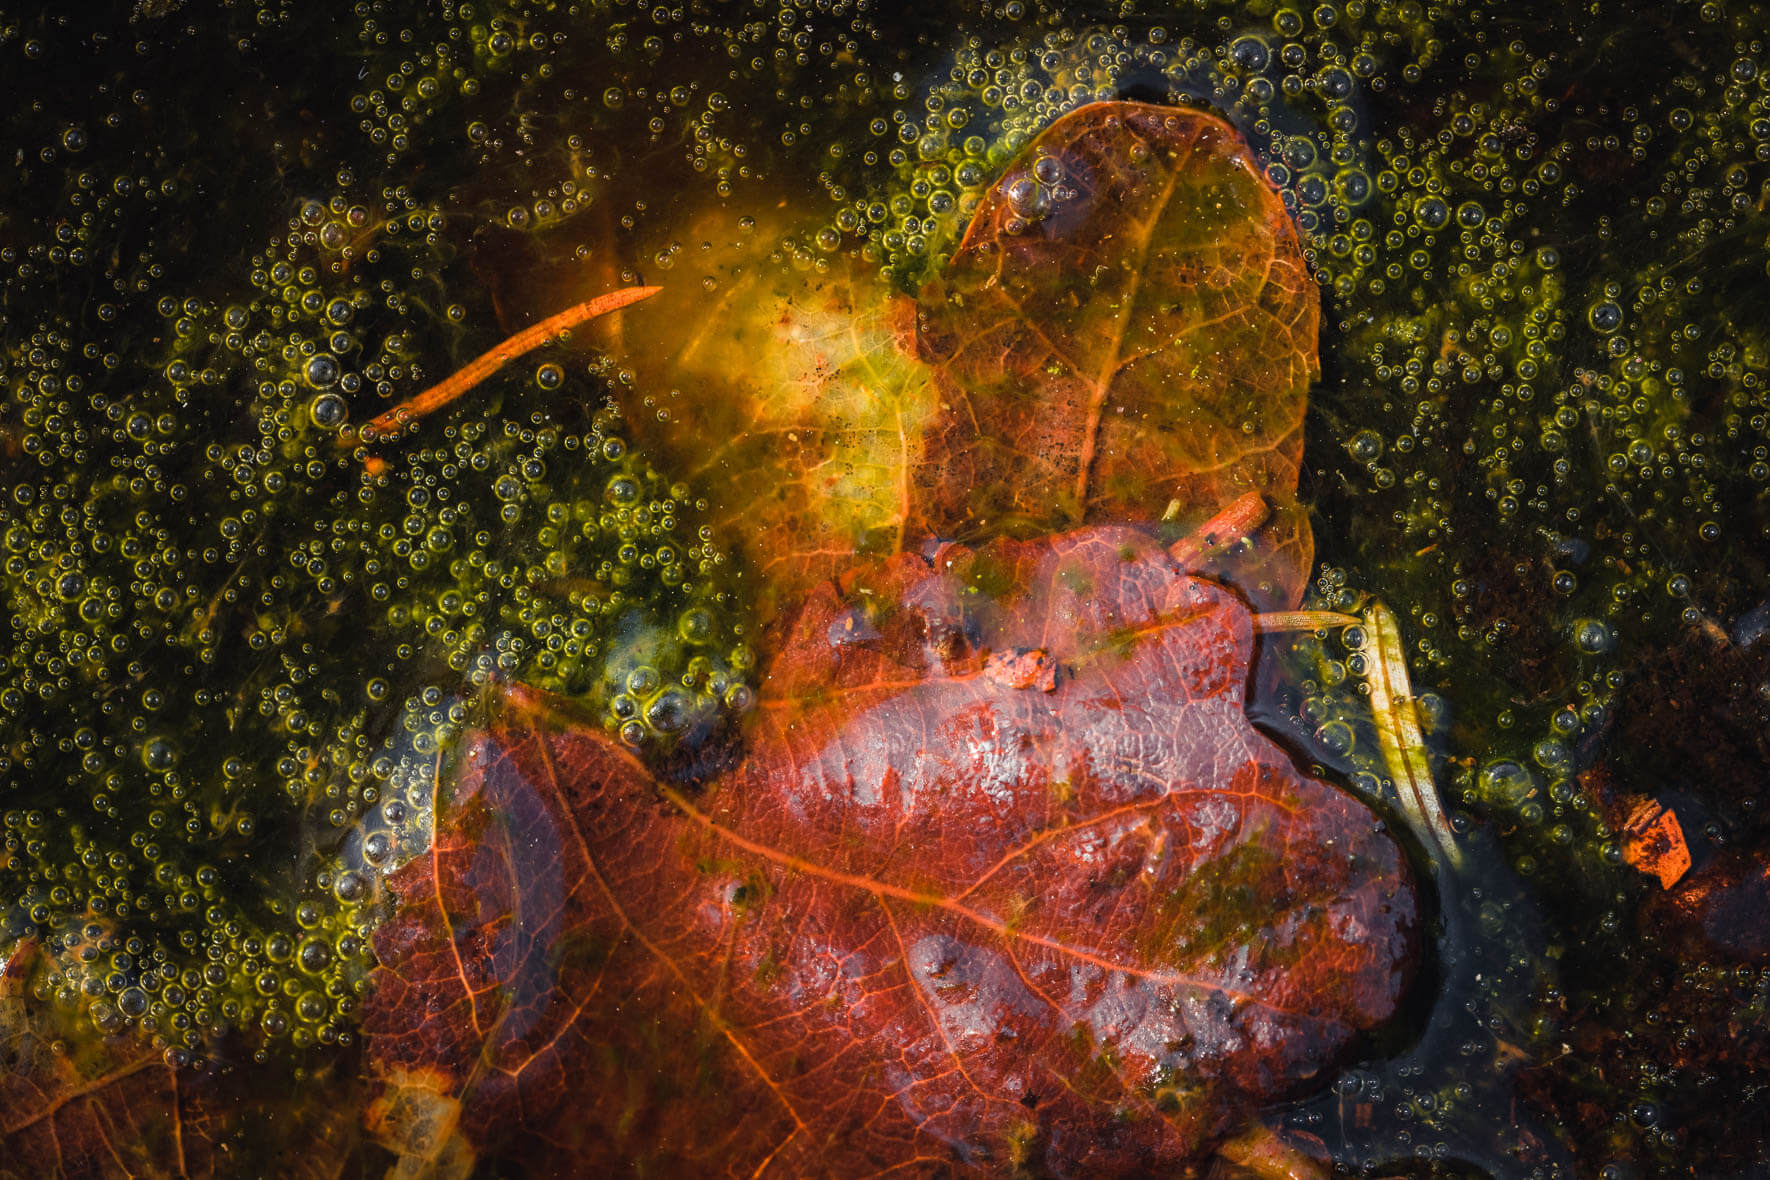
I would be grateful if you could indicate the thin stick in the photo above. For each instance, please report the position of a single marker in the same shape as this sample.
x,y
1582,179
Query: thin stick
x,y
1242,517
527,340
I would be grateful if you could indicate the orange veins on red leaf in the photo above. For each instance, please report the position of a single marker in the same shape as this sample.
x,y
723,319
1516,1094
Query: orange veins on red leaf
x,y
1006,876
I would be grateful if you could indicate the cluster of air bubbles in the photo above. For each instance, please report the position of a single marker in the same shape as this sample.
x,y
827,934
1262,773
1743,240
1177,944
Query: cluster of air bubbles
x,y
1295,87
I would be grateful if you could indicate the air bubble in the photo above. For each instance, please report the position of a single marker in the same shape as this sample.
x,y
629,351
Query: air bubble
x,y
322,370
1506,784
696,626
1250,53
1593,636
672,711
159,754
315,955
1027,198
328,411
1366,446
1432,212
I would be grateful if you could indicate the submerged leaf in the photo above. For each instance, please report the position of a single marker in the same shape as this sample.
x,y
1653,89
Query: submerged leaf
x,y
79,1103
790,400
808,425
1128,324
1007,878
1127,332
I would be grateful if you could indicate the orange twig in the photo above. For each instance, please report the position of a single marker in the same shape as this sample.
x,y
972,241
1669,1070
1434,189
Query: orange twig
x,y
527,340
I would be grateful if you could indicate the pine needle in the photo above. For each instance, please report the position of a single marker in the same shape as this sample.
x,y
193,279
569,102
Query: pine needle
x,y
1272,622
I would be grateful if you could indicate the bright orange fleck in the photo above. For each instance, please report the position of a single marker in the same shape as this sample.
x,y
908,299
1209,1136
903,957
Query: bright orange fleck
x,y
1653,842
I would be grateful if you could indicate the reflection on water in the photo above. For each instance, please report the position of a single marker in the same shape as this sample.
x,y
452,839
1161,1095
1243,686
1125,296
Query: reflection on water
x,y
249,669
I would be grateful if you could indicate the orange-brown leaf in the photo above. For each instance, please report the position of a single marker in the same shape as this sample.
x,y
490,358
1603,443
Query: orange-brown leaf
x,y
1128,324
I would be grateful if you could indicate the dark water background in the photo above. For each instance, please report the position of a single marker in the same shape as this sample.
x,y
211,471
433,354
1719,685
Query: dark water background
x,y
1542,435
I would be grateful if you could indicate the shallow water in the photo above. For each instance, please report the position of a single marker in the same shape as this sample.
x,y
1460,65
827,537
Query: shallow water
x,y
252,658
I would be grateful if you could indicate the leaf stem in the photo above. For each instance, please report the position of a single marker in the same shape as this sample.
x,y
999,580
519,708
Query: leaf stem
x,y
1242,516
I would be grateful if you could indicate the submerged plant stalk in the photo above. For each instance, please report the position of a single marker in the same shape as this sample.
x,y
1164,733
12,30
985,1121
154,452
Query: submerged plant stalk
x,y
1270,622
1399,736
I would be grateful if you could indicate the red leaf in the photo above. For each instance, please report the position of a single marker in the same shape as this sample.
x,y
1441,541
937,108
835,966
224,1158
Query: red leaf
x,y
1128,324
1007,876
